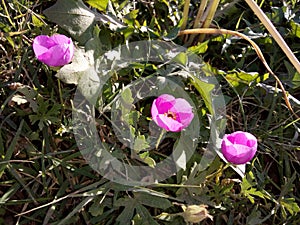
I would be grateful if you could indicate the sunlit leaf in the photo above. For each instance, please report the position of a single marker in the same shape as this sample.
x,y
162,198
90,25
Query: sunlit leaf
x,y
291,205
295,28
36,21
100,5
199,48
237,78
205,90
147,159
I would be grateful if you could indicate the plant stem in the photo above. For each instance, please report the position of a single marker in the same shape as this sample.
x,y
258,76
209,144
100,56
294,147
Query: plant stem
x,y
61,98
162,133
212,8
200,14
198,21
275,34
7,14
185,14
256,48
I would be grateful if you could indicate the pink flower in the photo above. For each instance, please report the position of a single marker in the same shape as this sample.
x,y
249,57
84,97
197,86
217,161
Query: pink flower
x,y
172,114
56,50
239,147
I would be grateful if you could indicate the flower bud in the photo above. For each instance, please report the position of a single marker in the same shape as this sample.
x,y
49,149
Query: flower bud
x,y
56,50
239,147
195,213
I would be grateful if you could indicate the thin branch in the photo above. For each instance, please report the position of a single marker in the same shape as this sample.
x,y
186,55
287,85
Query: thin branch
x,y
275,34
212,8
185,14
254,45
198,21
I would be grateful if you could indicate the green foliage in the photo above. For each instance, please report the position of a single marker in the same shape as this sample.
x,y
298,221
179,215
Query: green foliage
x,y
46,113
74,17
205,91
100,5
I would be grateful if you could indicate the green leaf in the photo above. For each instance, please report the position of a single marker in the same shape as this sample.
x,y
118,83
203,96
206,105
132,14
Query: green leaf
x,y
8,194
130,18
30,95
4,27
253,191
100,5
181,58
205,91
200,48
140,143
296,80
1,145
180,157
81,65
13,143
238,78
293,78
21,181
127,213
249,191
172,34
96,46
143,213
74,17
76,209
254,218
290,205
210,70
46,114
147,159
133,117
126,101
276,15
295,28
97,208
36,21
152,200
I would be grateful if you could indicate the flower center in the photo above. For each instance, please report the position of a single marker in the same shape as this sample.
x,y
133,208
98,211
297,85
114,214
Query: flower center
x,y
171,115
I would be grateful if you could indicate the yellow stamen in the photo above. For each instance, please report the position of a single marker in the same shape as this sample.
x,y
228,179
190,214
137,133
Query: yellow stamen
x,y
171,115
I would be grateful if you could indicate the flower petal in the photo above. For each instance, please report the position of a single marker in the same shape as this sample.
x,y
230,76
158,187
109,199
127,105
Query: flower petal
x,y
238,154
184,111
164,103
241,137
170,113
60,39
182,105
56,50
169,124
44,40
154,111
54,56
239,147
